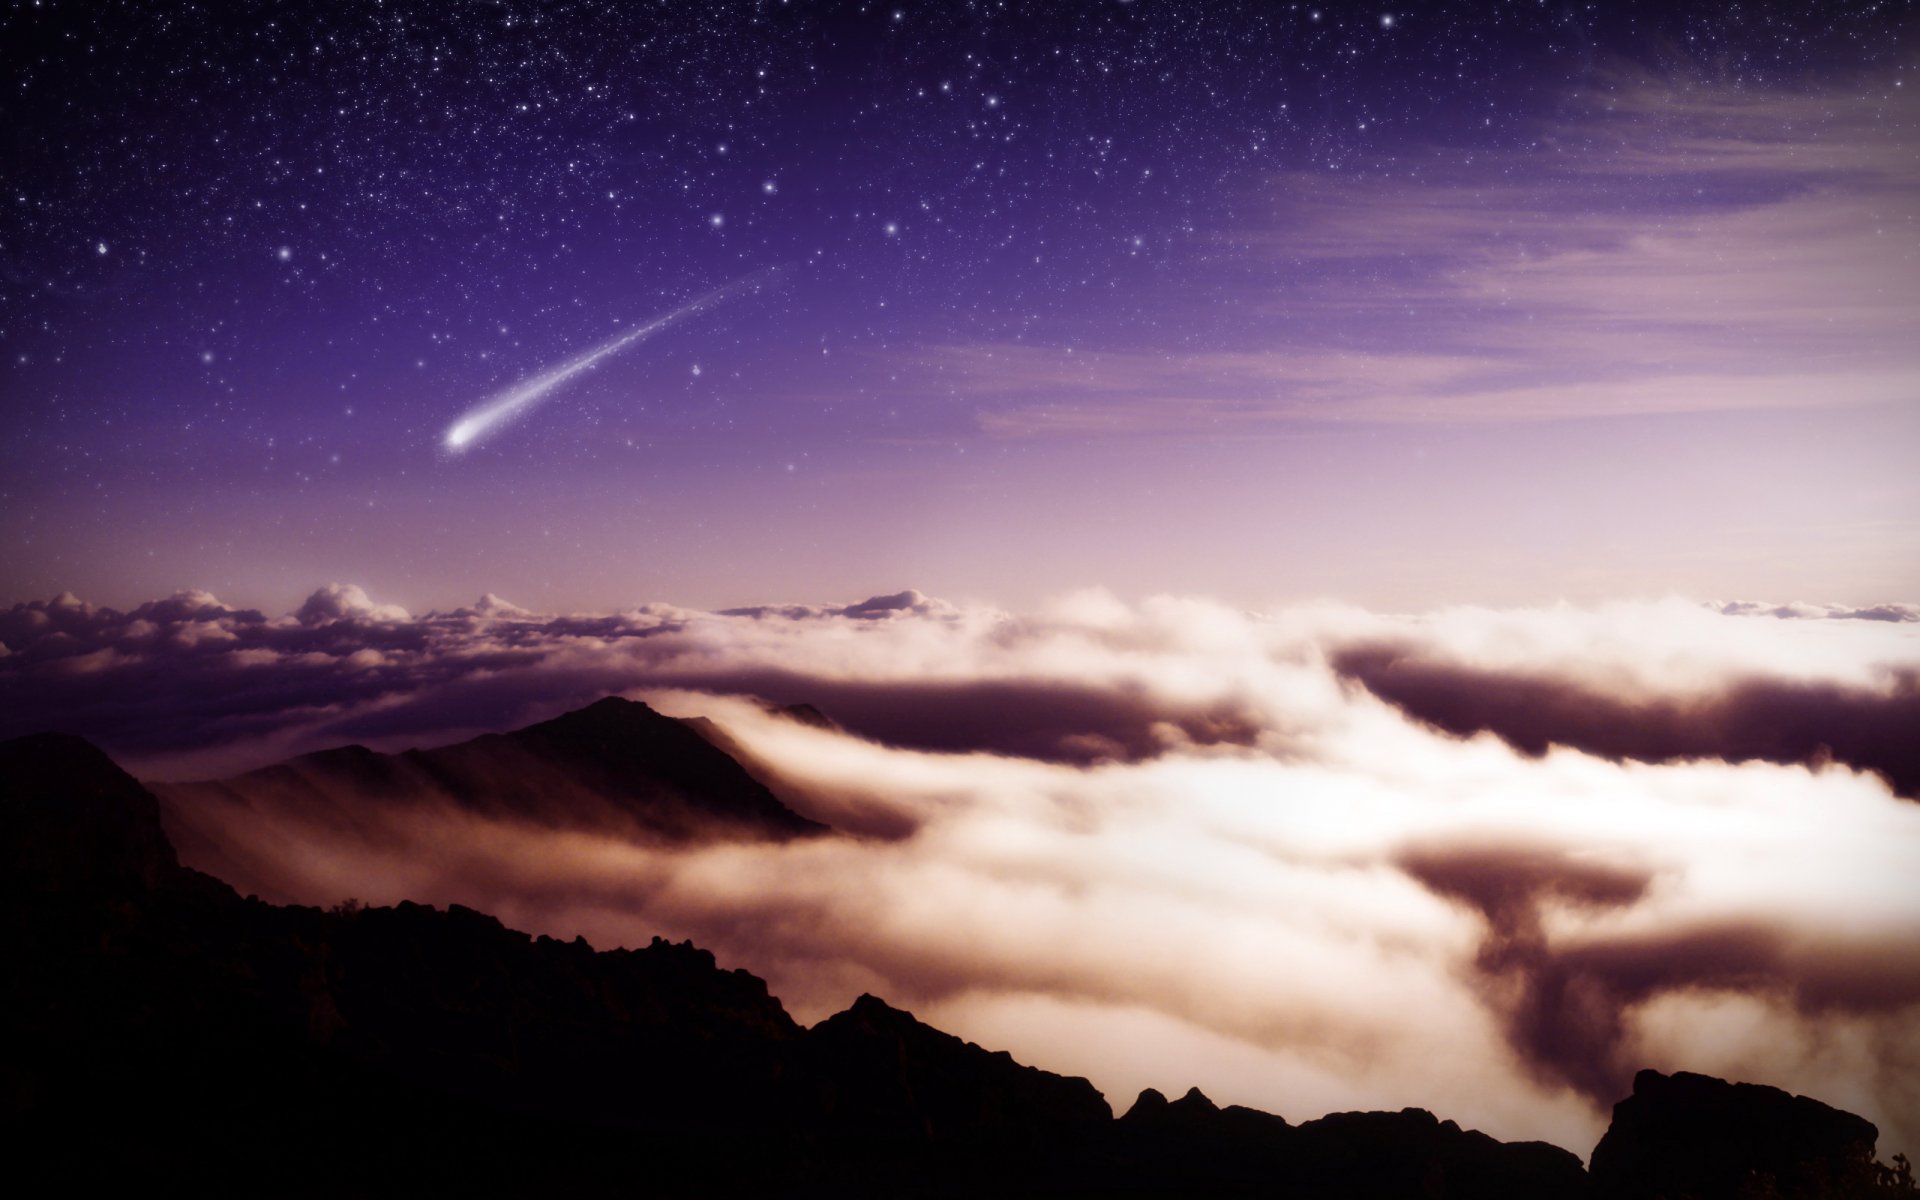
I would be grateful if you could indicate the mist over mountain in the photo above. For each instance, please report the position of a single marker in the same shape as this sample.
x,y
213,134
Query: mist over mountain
x,y
164,1028
1063,589
615,767
1490,863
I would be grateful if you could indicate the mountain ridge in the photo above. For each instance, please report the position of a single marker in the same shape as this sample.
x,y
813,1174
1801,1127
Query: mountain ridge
x,y
615,765
162,1027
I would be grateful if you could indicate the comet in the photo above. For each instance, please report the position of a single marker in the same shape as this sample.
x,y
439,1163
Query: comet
x,y
490,415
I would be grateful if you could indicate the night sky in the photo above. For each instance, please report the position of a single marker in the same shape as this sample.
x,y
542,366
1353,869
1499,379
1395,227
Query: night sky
x,y
1354,556
1400,305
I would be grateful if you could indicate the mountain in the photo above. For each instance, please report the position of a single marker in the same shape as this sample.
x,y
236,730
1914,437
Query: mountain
x,y
616,765
76,823
161,1032
159,1027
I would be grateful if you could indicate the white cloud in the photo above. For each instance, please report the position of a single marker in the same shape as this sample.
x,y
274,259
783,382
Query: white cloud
x,y
1235,832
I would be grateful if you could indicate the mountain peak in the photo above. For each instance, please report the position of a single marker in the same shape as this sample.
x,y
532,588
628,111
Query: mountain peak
x,y
874,1013
608,707
613,764
1197,1100
914,1081
1150,1103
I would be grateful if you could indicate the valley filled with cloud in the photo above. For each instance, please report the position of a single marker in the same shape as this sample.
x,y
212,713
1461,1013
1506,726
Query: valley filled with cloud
x,y
1487,862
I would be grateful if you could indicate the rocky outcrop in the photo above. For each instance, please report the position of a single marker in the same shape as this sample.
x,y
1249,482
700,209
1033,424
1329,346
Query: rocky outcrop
x,y
1694,1137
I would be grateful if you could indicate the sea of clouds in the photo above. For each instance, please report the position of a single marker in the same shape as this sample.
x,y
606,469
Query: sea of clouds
x,y
1483,862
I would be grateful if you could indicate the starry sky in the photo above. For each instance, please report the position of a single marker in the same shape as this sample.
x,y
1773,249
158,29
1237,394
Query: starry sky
x,y
1404,305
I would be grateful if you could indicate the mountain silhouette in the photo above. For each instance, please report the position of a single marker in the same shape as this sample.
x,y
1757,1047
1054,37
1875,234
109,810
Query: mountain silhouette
x,y
1694,1135
161,1032
615,765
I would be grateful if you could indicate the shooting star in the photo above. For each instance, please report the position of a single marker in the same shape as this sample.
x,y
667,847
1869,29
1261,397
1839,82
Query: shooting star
x,y
489,415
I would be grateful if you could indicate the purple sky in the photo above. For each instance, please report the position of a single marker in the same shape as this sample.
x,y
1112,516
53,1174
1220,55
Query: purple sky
x,y
1451,309
1405,305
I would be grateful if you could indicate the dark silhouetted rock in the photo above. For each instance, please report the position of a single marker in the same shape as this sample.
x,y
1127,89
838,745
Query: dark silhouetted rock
x,y
1412,1153
1693,1137
892,1075
159,1027
73,822
1191,1146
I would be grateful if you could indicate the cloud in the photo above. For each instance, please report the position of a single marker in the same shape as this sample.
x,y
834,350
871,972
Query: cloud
x,y
345,602
1766,719
1706,249
909,603
1484,861
1801,610
1568,1002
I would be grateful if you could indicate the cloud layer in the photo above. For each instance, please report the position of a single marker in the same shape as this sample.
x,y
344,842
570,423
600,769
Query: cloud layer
x,y
1732,249
1487,862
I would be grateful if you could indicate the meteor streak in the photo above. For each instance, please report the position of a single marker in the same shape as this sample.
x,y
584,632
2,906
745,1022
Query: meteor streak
x,y
489,415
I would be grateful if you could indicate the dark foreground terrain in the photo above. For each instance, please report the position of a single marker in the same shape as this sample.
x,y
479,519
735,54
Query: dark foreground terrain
x,y
163,1033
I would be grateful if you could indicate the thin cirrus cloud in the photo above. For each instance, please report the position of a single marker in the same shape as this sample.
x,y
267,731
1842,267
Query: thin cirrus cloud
x,y
1161,844
1732,251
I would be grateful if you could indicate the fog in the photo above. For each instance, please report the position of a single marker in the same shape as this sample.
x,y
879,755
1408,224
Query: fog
x,y
1483,862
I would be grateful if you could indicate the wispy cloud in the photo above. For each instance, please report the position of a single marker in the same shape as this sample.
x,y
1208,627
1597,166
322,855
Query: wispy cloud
x,y
1656,250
